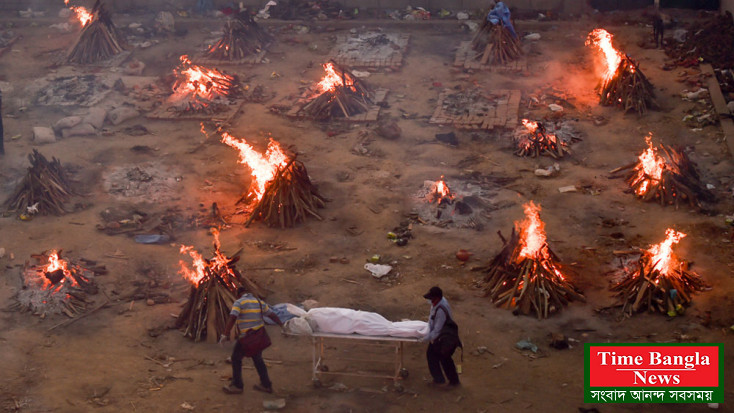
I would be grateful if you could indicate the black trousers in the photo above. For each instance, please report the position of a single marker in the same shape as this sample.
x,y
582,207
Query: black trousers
x,y
436,362
257,360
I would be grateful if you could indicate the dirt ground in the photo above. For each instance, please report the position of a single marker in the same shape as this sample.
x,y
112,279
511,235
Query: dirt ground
x,y
126,356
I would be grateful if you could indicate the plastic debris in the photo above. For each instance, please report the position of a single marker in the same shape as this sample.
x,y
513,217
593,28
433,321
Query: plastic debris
x,y
152,238
378,270
526,345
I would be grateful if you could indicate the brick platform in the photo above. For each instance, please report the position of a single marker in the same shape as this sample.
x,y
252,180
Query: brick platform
x,y
166,112
465,58
357,51
499,109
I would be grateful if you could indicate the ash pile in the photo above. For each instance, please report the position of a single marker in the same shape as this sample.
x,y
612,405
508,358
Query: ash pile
x,y
454,203
57,286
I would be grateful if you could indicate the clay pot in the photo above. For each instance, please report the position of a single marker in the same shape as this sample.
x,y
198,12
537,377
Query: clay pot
x,y
463,255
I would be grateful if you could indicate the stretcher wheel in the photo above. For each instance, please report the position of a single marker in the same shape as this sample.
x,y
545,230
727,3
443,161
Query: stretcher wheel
x,y
324,367
316,383
404,373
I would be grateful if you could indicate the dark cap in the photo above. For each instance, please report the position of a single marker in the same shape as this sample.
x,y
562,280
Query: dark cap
x,y
434,292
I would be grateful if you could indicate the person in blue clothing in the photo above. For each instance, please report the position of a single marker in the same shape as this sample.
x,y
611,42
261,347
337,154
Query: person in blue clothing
x,y
501,14
440,311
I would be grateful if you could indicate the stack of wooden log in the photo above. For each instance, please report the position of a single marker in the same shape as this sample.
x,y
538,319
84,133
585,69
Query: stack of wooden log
x,y
54,289
98,41
200,89
628,89
679,180
538,141
495,45
207,309
648,288
347,99
289,198
44,189
529,284
242,37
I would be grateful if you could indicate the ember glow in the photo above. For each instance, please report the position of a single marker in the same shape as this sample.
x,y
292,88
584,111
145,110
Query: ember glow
x,y
532,232
199,267
263,167
197,81
602,40
650,168
662,255
332,80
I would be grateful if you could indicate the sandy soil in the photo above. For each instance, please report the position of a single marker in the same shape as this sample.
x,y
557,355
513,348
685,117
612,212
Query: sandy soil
x,y
126,357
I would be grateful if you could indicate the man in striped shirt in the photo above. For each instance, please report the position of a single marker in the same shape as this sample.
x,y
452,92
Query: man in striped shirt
x,y
248,312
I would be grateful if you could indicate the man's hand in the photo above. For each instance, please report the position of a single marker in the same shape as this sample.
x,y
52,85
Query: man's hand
x,y
223,338
423,339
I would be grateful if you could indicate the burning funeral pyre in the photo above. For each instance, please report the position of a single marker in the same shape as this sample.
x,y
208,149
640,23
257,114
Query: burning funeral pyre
x,y
57,286
44,189
669,179
198,89
526,275
281,190
622,82
495,44
660,281
99,39
242,38
338,94
214,284
534,140
441,196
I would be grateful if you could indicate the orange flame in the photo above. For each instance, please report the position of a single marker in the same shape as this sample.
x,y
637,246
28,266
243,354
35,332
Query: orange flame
x,y
661,255
530,125
440,191
263,167
82,14
602,40
198,81
532,232
198,270
55,263
650,168
332,80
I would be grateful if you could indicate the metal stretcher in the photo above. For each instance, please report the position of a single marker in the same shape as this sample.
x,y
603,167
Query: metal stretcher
x,y
394,343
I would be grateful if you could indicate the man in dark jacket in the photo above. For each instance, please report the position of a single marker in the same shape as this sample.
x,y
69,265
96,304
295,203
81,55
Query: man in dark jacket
x,y
440,312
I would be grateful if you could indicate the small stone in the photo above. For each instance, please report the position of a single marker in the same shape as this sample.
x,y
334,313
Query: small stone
x,y
95,117
555,108
344,260
43,134
276,404
333,260
149,301
389,130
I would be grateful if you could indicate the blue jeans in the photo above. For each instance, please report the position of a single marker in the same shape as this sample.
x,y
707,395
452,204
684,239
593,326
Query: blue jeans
x,y
257,360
